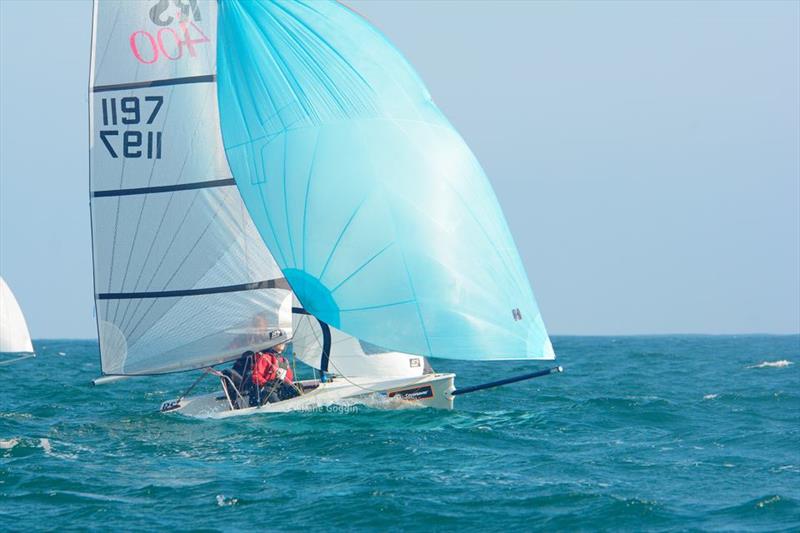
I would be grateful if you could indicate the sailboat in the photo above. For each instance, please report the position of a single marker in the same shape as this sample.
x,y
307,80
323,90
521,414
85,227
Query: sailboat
x,y
14,335
272,171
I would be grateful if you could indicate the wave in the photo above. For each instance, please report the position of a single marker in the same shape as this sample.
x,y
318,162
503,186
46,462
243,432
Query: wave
x,y
7,444
772,364
222,501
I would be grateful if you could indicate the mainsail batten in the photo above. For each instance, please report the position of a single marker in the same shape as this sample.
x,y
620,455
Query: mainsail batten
x,y
376,211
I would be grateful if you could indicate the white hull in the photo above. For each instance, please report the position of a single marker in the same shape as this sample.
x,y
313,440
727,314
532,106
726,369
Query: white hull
x,y
431,390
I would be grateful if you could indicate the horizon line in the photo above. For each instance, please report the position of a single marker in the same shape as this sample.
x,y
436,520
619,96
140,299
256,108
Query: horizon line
x,y
746,334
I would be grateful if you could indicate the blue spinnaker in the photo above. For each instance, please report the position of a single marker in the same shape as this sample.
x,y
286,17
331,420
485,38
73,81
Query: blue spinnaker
x,y
378,213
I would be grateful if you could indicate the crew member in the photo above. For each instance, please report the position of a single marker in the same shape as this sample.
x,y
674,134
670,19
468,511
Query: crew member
x,y
236,382
272,376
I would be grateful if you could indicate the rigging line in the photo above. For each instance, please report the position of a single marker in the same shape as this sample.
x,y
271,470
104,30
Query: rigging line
x,y
305,202
243,212
186,257
20,358
260,189
248,146
139,219
147,258
116,212
116,222
339,374
241,74
291,126
505,260
277,59
408,274
242,80
108,42
366,308
163,258
176,186
339,238
286,202
163,218
299,52
197,381
191,250
416,300
243,235
331,49
141,211
114,240
356,271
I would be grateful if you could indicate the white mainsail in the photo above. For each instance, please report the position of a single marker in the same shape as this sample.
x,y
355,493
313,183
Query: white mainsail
x,y
182,278
14,335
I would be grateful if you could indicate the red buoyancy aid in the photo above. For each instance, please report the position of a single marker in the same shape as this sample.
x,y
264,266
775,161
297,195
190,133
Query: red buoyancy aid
x,y
266,368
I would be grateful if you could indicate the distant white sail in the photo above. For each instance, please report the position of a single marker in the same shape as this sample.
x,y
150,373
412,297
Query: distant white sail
x,y
14,335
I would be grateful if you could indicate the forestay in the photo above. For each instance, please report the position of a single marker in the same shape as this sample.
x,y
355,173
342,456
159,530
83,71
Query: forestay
x,y
377,212
182,278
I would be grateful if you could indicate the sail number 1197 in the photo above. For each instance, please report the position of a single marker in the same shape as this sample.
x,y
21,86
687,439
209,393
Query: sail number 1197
x,y
135,114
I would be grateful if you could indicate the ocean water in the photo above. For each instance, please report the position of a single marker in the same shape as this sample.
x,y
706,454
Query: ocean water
x,y
639,433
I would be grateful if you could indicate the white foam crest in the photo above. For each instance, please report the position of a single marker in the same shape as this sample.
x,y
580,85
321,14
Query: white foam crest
x,y
222,501
46,446
7,444
772,364
768,501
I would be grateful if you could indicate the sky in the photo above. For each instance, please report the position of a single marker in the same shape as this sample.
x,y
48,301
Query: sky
x,y
646,154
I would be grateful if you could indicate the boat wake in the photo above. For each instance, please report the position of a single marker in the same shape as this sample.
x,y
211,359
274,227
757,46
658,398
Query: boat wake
x,y
772,364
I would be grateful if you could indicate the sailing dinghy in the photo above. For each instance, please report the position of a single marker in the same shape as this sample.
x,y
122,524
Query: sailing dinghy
x,y
14,335
273,171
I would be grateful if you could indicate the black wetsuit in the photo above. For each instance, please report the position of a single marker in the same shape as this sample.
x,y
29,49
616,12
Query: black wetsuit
x,y
240,382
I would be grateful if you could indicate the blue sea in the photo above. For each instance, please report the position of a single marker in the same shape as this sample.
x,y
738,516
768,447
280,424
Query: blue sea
x,y
661,433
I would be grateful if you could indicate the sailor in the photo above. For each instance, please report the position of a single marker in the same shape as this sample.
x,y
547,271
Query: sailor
x,y
272,376
235,379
